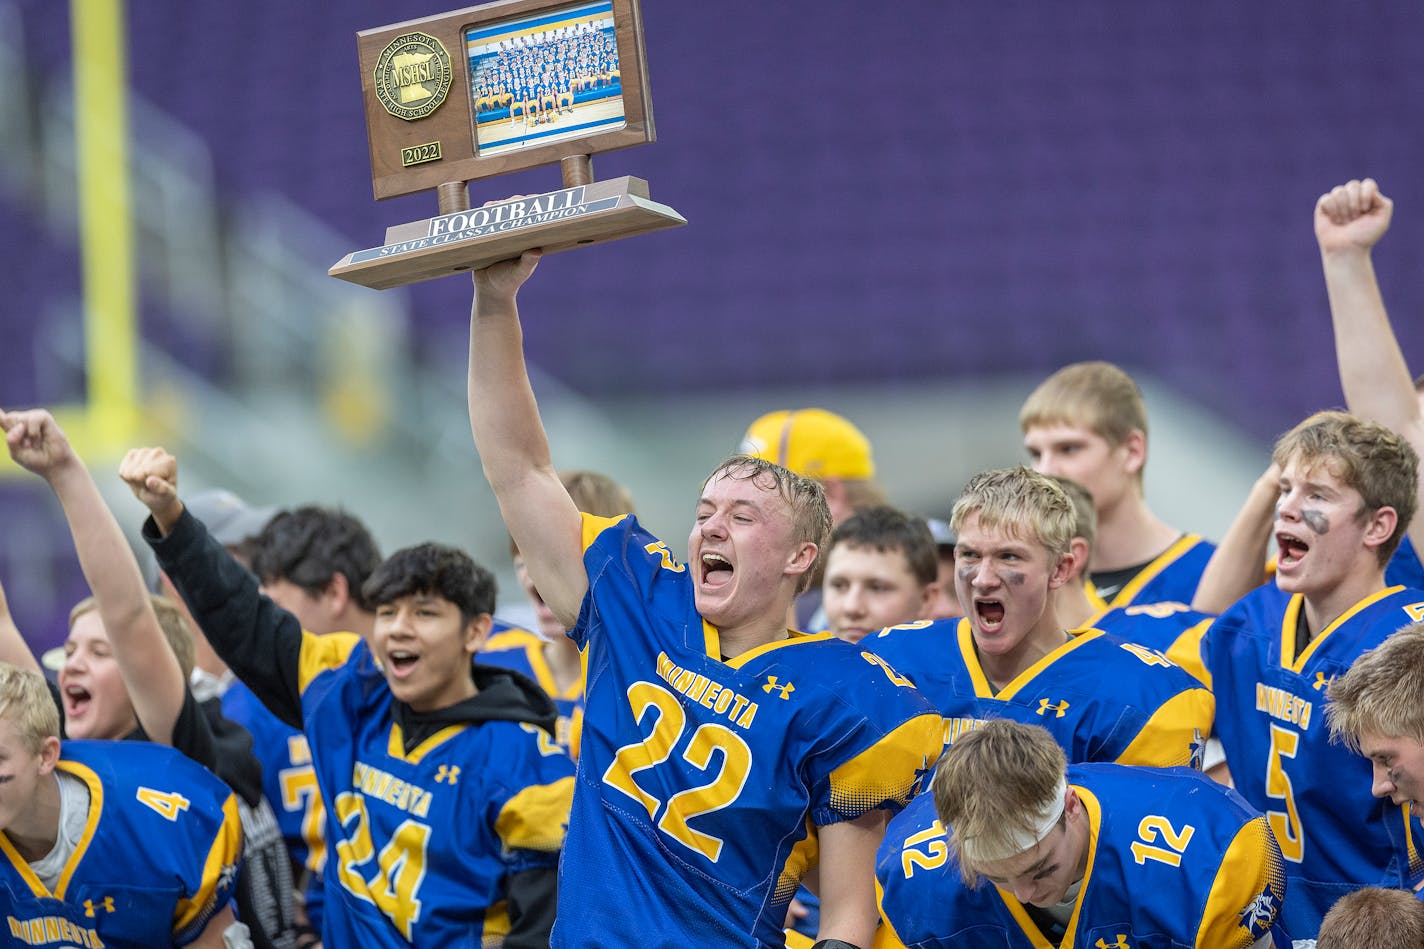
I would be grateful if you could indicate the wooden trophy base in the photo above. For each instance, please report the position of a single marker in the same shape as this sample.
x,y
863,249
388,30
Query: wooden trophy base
x,y
467,240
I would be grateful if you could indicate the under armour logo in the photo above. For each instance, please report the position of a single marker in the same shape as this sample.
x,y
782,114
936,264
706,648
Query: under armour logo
x,y
1059,709
1321,682
772,683
447,774
90,906
1121,943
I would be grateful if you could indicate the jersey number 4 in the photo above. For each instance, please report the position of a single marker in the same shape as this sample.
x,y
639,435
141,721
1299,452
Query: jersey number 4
x,y
652,702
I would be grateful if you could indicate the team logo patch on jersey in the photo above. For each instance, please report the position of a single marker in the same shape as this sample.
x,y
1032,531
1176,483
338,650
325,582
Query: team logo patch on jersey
x,y
1058,708
773,685
1260,913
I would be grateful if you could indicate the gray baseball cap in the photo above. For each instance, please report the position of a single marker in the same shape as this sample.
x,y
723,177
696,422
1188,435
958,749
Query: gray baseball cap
x,y
229,518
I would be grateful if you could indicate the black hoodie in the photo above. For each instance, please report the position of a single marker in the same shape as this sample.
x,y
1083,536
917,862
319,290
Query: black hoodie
x,y
262,644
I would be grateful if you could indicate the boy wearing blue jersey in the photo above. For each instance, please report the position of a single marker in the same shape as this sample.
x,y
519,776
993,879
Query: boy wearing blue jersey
x,y
1088,422
311,561
1376,710
1173,629
126,666
106,844
446,795
1104,698
882,570
722,753
1347,490
1082,855
1349,220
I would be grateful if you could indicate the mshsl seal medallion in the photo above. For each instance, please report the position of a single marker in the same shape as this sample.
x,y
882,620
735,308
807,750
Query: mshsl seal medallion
x,y
412,76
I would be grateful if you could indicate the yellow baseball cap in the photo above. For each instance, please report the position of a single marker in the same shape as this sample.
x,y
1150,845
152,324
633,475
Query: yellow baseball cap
x,y
813,443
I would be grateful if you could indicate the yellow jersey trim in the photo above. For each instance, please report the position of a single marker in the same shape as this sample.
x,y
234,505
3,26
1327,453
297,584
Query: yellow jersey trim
x,y
1166,740
891,768
885,935
1250,864
320,653
91,823
533,647
225,852
711,640
395,745
793,638
1129,592
535,818
1186,651
1292,619
982,687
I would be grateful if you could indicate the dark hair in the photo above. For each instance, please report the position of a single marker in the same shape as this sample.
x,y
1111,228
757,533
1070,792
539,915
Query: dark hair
x,y
888,529
309,545
437,569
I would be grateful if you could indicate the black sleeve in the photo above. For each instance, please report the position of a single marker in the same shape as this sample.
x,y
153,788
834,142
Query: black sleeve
x,y
193,737
532,905
58,704
259,640
227,744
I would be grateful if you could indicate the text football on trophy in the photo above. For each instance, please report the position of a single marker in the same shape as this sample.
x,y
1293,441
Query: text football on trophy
x,y
493,89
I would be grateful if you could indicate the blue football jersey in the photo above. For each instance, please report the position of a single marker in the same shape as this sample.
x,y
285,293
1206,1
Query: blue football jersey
x,y
421,843
1336,837
1172,577
158,856
1102,698
1173,629
1404,568
289,784
1175,860
701,779
510,647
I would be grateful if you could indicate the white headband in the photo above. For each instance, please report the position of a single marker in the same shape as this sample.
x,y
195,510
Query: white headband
x,y
979,852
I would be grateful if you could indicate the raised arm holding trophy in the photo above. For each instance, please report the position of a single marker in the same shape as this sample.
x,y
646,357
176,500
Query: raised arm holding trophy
x,y
493,89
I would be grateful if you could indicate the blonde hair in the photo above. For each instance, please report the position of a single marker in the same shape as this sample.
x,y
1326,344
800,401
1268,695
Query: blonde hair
x,y
1373,918
1381,692
1094,395
170,619
1021,502
26,701
991,786
810,515
1366,456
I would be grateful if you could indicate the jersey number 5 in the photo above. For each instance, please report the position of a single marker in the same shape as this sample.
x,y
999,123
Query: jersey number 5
x,y
1285,825
668,724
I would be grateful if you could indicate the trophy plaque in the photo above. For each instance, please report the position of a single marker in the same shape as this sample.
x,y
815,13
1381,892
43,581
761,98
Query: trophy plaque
x,y
493,89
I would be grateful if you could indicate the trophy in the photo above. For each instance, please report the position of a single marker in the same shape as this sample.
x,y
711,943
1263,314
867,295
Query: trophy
x,y
493,89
